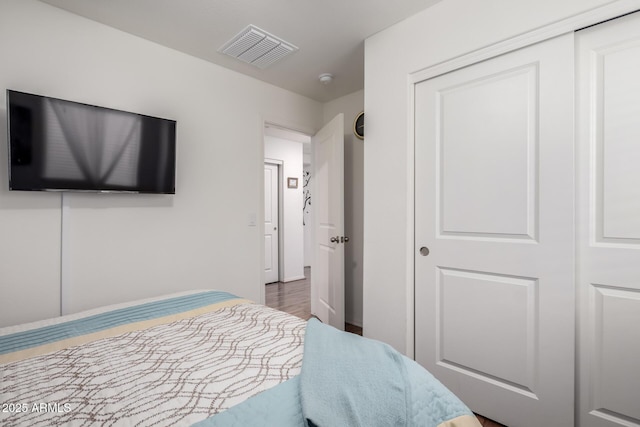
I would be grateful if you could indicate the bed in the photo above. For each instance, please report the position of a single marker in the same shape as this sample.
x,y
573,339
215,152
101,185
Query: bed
x,y
209,358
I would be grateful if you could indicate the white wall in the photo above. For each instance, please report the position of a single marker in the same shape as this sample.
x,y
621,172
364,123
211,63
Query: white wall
x,y
119,247
292,232
448,29
307,177
350,105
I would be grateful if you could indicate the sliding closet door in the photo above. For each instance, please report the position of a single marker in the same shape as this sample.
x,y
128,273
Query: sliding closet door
x,y
494,244
609,223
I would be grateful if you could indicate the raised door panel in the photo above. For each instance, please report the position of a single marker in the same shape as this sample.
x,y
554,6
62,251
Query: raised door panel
x,y
269,262
488,164
616,346
615,70
507,335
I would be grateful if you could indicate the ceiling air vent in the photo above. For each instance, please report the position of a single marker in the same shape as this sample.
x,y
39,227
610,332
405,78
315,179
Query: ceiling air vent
x,y
257,47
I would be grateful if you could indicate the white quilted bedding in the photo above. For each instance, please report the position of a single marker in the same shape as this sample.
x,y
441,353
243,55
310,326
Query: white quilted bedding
x,y
174,373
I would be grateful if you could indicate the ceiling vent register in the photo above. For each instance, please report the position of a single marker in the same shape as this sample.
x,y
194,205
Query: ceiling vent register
x,y
257,47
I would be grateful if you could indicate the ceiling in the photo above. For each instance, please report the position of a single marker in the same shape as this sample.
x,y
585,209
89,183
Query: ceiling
x,y
330,34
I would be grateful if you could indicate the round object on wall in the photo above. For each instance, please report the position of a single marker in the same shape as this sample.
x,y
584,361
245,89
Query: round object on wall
x,y
358,125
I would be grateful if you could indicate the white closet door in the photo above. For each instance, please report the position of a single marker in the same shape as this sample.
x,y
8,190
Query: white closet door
x,y
609,223
271,219
494,191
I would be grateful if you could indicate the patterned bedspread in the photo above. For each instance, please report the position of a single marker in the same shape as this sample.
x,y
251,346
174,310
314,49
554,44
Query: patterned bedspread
x,y
171,361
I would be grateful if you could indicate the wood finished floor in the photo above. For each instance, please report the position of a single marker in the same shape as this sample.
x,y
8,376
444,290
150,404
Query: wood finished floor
x,y
291,297
295,298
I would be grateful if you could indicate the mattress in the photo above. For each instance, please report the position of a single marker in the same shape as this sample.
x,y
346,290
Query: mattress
x,y
209,358
174,360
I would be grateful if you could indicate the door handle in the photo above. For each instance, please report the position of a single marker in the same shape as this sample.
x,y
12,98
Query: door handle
x,y
339,239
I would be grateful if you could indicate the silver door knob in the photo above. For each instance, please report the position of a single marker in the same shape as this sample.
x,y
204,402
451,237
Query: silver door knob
x,y
334,240
344,239
424,251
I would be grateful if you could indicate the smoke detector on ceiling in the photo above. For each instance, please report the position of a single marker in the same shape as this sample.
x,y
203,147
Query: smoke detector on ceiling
x,y
325,78
257,47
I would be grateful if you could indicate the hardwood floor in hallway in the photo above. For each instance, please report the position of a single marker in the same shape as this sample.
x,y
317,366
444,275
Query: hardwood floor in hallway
x,y
295,298
291,297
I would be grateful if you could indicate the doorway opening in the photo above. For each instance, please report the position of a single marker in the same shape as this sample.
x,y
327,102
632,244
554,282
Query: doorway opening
x,y
287,158
307,239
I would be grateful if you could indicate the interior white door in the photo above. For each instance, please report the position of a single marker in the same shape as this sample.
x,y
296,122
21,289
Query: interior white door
x,y
327,276
494,242
609,223
271,187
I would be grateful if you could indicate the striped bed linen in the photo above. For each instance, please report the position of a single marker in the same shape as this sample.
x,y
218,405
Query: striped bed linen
x,y
174,360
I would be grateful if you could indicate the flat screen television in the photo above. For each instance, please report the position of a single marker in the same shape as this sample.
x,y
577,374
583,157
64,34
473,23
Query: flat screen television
x,y
58,145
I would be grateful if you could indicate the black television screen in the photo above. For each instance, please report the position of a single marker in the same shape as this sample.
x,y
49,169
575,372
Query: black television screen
x,y
58,145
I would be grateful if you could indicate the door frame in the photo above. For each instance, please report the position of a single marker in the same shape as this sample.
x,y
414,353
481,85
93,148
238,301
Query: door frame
x,y
568,25
288,125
